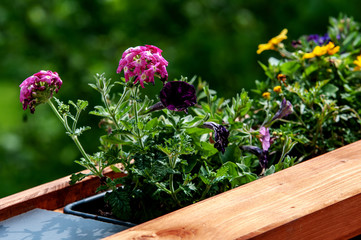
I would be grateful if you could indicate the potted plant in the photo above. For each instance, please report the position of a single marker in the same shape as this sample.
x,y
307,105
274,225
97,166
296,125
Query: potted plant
x,y
189,144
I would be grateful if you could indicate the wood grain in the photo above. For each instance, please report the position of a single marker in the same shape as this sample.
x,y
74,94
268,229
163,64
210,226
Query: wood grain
x,y
317,199
50,196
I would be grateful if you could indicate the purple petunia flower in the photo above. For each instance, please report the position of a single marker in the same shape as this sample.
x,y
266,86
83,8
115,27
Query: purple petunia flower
x,y
260,153
221,135
286,108
39,88
319,40
178,96
265,138
143,63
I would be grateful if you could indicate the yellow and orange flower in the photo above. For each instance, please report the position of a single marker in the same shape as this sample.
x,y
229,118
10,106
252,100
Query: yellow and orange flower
x,y
272,44
357,62
277,89
266,95
319,51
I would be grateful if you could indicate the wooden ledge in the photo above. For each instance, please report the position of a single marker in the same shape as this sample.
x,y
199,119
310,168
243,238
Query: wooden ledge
x,y
317,199
50,196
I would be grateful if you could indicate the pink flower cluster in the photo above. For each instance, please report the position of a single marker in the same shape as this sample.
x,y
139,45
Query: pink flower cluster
x,y
38,88
142,63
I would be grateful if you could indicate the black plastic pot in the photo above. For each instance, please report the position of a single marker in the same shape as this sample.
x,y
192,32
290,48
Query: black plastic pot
x,y
81,208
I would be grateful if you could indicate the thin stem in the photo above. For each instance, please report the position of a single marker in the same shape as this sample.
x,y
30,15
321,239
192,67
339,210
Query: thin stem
x,y
172,191
121,98
112,113
135,106
74,137
204,194
56,112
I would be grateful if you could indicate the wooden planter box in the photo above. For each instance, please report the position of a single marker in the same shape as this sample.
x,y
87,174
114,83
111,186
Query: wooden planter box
x,y
317,199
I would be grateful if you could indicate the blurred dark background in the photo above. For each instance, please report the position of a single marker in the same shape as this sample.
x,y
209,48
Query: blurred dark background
x,y
214,39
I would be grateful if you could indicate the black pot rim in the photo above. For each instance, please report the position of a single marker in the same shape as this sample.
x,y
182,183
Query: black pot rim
x,y
69,209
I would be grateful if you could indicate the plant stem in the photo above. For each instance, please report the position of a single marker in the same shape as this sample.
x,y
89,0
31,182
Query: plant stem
x,y
74,137
112,113
204,194
135,106
172,191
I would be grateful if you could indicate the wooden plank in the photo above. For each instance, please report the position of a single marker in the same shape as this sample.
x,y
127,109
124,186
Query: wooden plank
x,y
317,199
50,196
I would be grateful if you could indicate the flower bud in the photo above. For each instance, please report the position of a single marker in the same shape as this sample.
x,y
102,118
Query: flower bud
x,y
39,88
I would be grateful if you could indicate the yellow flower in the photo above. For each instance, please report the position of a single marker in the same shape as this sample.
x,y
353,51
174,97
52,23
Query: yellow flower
x,y
319,51
265,46
271,45
357,62
266,95
277,89
282,36
308,55
331,49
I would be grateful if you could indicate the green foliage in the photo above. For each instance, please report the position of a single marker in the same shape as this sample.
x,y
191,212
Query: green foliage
x,y
322,89
169,158
214,39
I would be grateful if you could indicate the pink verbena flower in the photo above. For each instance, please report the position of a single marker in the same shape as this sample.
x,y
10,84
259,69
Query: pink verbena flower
x,y
39,88
143,63
265,138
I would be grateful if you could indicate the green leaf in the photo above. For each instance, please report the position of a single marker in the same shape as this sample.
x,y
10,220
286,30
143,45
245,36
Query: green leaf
x,y
114,140
80,130
310,69
231,154
151,124
270,170
191,163
206,107
205,180
330,90
116,169
208,149
76,177
289,68
100,111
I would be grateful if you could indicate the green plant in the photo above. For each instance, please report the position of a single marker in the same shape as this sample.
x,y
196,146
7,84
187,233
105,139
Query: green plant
x,y
190,143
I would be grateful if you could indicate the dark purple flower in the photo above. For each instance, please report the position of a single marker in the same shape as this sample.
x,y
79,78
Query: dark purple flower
x,y
221,135
178,96
260,153
296,43
319,40
286,108
39,88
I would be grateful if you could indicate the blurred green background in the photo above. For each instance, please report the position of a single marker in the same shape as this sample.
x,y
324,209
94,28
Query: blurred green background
x,y
214,39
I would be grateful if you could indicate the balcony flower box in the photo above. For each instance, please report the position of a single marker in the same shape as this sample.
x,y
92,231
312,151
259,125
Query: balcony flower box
x,y
319,198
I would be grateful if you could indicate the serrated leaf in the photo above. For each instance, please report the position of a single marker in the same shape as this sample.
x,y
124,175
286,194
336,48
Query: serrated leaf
x,y
204,179
80,130
114,140
76,177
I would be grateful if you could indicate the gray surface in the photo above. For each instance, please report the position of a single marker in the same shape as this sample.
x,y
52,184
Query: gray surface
x,y
42,224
